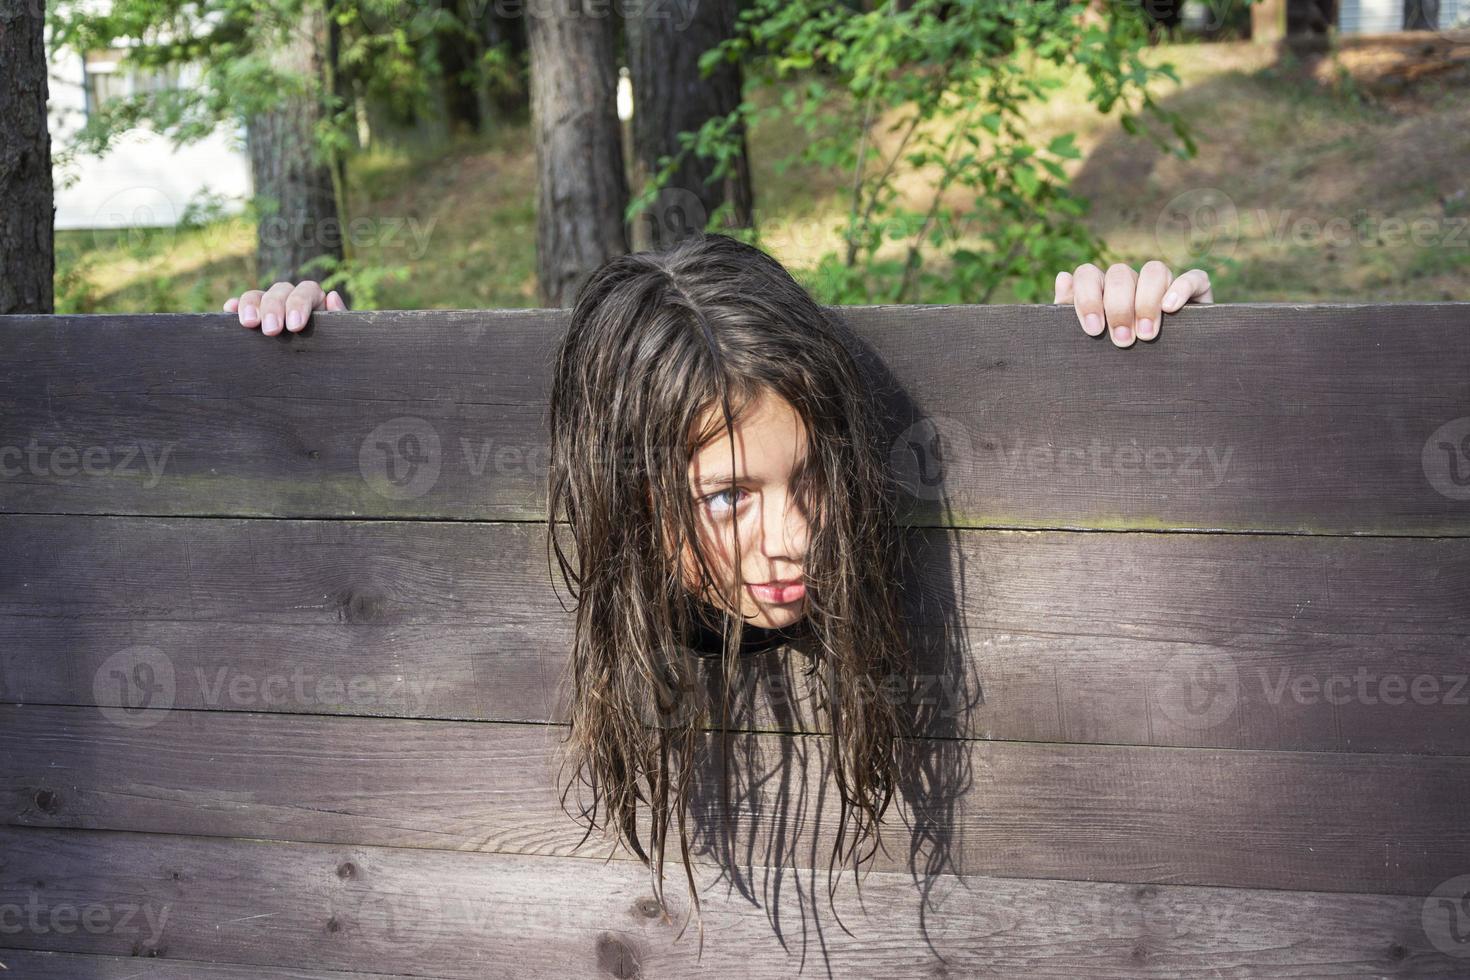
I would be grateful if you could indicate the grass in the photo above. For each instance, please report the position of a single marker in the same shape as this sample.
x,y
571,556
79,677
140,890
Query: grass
x,y
1314,161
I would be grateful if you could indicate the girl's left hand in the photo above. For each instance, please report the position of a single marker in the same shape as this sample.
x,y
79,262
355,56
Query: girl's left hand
x,y
1129,302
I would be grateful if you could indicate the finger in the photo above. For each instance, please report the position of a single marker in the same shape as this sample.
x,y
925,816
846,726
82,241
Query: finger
x,y
306,297
1087,295
273,308
334,302
1192,285
1153,279
1063,290
1118,289
250,308
232,304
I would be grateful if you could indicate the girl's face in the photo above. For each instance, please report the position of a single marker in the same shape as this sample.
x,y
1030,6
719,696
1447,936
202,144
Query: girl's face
x,y
761,514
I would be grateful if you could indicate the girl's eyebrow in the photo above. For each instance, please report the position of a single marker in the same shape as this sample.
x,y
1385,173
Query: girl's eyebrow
x,y
717,480
724,480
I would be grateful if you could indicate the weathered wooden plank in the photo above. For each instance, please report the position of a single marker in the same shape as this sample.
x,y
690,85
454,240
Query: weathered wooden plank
x,y
1332,418
1315,642
1329,822
27,964
490,915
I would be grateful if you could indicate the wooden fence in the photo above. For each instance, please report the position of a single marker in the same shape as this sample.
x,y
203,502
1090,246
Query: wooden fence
x,y
278,655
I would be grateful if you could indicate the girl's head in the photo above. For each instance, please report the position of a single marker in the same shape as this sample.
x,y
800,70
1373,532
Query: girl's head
x,y
714,454
709,431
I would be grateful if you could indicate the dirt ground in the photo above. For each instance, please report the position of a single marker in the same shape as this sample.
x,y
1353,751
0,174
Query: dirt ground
x,y
1403,71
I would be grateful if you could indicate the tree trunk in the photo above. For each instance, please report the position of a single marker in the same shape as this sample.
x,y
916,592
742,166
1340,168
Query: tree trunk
x,y
669,97
303,223
27,209
582,190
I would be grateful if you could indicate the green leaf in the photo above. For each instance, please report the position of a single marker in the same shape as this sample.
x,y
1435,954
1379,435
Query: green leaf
x,y
1026,177
1064,146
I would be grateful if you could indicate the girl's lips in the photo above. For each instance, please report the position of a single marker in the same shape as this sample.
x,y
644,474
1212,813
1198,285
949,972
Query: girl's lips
x,y
778,593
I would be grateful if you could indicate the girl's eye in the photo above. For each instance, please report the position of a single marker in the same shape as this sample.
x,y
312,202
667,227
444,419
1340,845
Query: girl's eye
x,y
722,504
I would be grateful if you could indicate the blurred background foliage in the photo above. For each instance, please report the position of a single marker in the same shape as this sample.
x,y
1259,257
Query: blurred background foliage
x,y
923,152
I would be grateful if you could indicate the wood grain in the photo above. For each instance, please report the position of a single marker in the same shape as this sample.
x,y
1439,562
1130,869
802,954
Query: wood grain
x,y
279,657
1242,417
394,910
1317,643
1290,820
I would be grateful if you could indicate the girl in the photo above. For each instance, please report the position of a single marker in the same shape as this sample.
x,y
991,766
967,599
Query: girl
x,y
715,458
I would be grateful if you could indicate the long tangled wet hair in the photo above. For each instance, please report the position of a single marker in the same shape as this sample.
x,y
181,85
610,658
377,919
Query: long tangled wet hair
x,y
657,342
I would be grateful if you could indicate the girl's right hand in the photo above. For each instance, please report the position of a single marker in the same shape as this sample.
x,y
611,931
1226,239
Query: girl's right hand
x,y
283,306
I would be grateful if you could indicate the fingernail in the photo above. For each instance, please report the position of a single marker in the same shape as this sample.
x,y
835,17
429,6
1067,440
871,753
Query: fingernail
x,y
1094,324
1171,300
293,320
248,313
1123,335
271,325
1145,329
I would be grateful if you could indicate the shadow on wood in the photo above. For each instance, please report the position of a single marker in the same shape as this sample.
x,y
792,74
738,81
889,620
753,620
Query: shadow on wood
x,y
1189,630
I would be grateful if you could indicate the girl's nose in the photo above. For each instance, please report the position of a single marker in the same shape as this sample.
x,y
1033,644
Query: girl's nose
x,y
783,527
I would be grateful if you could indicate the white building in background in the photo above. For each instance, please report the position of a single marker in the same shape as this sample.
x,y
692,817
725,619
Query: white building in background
x,y
143,180
1356,16
1387,16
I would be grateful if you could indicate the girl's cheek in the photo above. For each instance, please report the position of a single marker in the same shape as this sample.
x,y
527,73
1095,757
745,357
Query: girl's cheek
x,y
721,540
